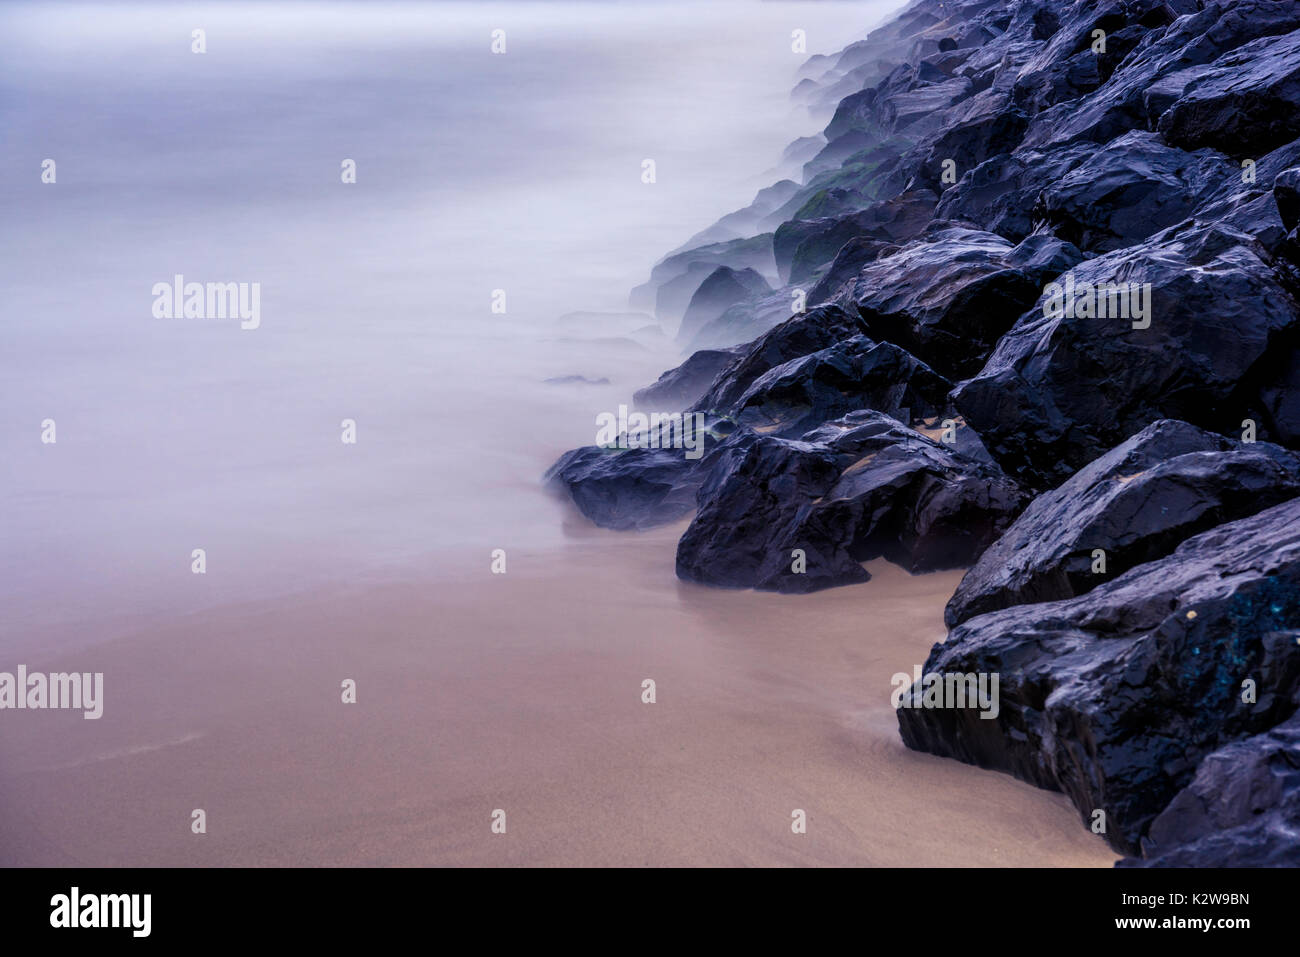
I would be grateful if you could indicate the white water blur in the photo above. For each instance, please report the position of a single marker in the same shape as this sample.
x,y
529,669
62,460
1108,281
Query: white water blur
x,y
476,172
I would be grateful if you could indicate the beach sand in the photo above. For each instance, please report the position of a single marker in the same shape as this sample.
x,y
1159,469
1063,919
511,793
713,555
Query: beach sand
x,y
520,692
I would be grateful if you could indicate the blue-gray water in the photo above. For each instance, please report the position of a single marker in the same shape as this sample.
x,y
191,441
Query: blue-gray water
x,y
475,172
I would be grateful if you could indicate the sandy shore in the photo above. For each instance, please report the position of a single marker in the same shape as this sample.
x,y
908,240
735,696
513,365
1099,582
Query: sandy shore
x,y
520,692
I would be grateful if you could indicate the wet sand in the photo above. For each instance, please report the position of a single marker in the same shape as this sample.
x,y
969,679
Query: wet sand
x,y
520,692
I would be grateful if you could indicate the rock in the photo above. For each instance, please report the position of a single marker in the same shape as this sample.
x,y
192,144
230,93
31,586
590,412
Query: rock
x,y
1242,809
1137,503
949,296
857,373
859,488
1247,104
1115,696
800,335
1129,189
627,489
801,246
680,387
722,288
1061,389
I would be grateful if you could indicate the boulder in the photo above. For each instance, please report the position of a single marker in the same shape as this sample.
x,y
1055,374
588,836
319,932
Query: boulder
x,y
1115,696
1136,503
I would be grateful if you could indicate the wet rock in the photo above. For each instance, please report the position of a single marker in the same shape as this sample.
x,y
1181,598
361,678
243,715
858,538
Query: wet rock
x,y
949,296
1115,696
1136,503
862,487
1242,809
1060,389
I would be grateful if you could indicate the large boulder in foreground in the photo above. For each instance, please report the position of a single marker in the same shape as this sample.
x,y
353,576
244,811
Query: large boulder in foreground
x,y
1136,503
1063,385
1242,808
860,488
1115,697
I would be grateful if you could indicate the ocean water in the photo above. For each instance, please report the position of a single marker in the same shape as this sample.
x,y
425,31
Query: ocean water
x,y
475,172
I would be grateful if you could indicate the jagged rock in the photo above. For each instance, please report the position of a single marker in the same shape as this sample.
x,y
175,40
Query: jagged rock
x,y
721,289
1247,104
1114,697
859,488
948,296
1137,503
1242,809
1061,389
680,387
1129,189
632,488
857,373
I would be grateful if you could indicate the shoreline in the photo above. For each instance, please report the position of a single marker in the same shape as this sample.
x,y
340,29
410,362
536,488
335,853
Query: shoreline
x,y
526,700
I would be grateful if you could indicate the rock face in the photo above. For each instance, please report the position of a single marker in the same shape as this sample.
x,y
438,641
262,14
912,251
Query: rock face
x,y
855,489
1242,808
1061,389
1115,696
1034,293
1136,503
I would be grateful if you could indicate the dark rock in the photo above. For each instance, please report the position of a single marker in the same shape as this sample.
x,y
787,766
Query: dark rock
x,y
857,373
856,489
1247,104
630,488
1061,389
1115,696
800,335
949,296
1129,189
1242,809
1137,503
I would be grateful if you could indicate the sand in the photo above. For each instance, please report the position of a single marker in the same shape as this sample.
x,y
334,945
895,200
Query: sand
x,y
519,692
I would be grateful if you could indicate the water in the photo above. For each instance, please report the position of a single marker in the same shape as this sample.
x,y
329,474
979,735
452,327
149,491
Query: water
x,y
475,172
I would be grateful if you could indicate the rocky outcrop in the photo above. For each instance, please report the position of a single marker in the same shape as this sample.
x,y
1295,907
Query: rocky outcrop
x,y
1084,217
721,289
1132,505
801,515
1115,696
1242,808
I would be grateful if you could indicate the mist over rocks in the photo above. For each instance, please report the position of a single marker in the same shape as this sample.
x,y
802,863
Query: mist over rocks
x,y
1034,294
858,488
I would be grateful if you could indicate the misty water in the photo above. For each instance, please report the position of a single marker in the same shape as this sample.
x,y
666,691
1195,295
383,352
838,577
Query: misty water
x,y
475,172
